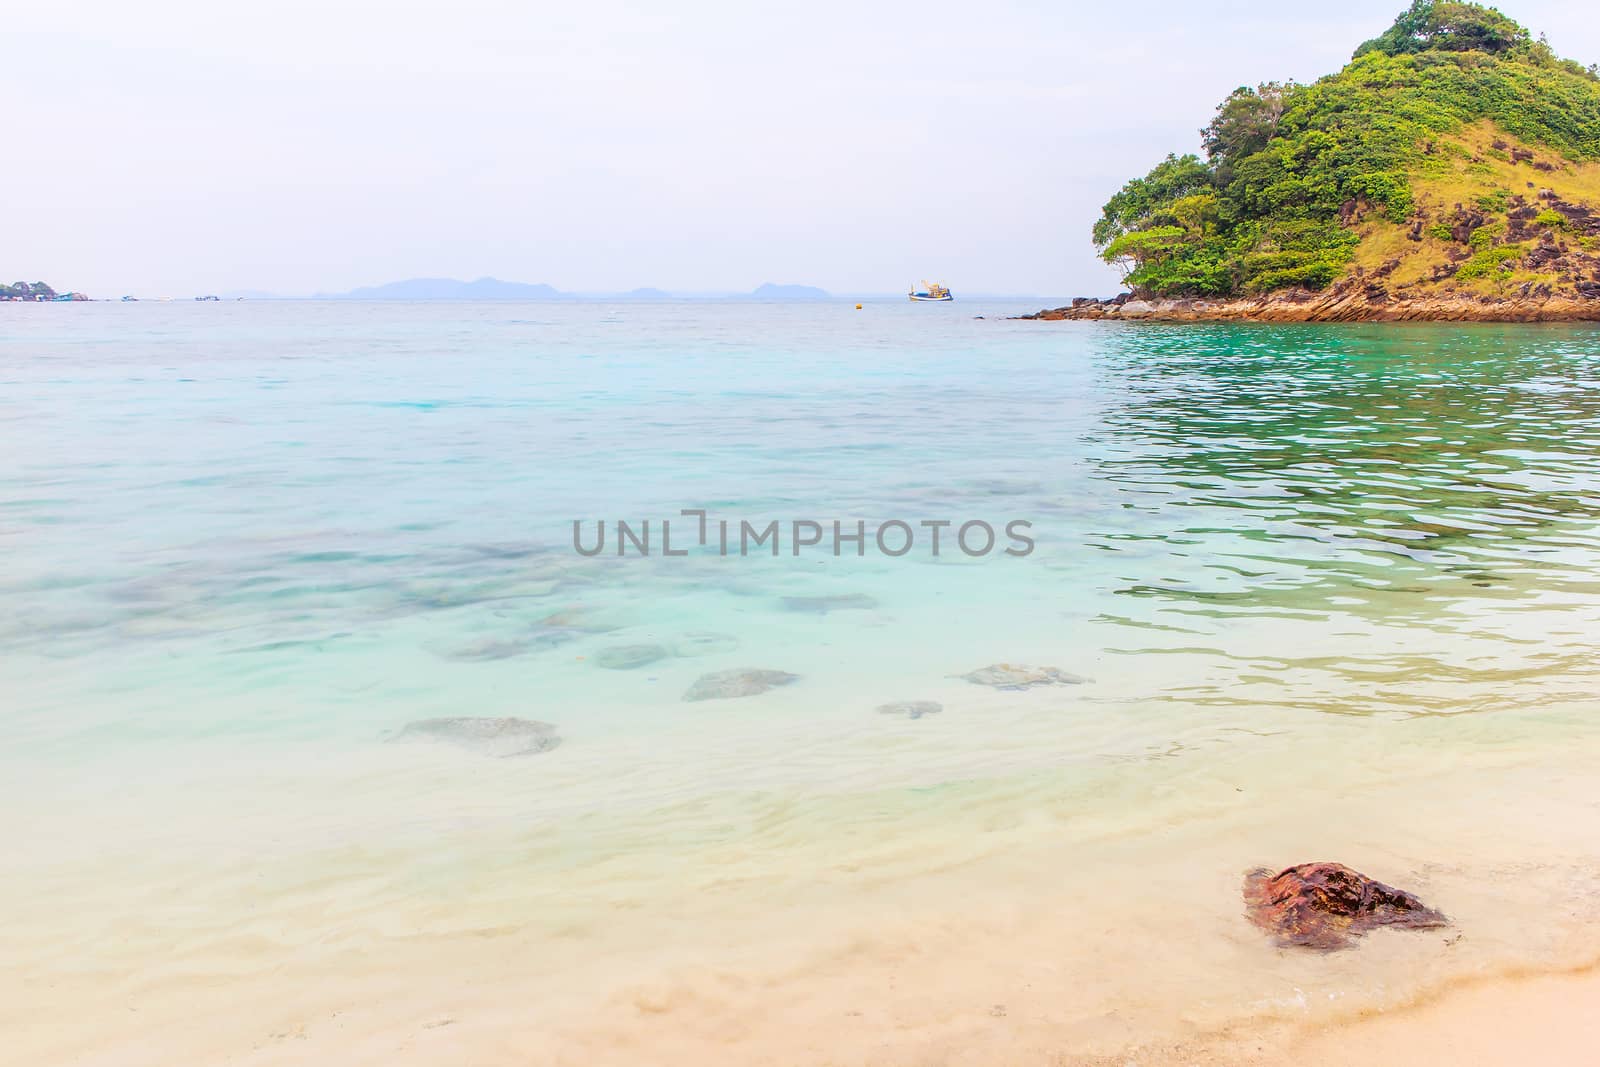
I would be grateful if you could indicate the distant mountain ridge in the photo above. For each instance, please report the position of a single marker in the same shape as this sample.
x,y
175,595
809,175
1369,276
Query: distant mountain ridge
x,y
448,289
495,289
771,291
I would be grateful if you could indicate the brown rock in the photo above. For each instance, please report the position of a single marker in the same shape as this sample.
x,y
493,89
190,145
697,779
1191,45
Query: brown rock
x,y
1462,231
1542,256
1326,905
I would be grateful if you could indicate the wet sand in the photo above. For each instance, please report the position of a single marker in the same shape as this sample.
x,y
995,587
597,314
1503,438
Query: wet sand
x,y
1534,1019
1037,917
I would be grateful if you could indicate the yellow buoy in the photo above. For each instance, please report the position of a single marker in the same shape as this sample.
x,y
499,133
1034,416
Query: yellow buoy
x,y
858,307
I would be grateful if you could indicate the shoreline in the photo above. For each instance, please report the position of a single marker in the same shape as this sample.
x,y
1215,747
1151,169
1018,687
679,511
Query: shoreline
x,y
1349,304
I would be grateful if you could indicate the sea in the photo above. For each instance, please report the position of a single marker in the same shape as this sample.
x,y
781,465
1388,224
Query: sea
x,y
1255,595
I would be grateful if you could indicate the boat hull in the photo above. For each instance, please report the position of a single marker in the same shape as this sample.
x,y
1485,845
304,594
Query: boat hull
x,y
921,297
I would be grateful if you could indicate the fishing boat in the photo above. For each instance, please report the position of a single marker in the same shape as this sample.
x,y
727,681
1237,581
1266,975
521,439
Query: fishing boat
x,y
932,291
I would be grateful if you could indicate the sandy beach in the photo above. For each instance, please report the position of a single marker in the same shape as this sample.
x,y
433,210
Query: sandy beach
x,y
998,923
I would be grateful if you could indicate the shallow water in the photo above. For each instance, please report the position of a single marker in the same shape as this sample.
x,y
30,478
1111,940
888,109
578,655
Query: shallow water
x,y
1333,589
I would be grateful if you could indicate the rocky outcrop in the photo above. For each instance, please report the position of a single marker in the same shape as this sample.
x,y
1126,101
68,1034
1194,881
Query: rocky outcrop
x,y
1347,302
745,682
1325,905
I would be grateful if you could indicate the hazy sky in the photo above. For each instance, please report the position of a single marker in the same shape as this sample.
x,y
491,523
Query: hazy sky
x,y
175,147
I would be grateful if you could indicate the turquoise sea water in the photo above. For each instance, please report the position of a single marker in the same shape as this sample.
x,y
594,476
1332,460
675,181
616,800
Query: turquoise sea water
x,y
247,543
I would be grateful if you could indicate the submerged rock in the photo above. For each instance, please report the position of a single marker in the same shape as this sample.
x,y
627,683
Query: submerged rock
x,y
912,709
580,618
1020,676
628,657
1326,905
488,649
1001,487
492,737
704,644
821,605
546,638
744,682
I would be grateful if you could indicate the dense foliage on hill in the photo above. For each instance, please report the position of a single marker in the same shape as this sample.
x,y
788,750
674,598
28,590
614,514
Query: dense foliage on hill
x,y
1290,170
27,291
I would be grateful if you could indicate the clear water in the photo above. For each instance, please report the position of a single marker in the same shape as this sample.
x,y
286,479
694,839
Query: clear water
x,y
1317,576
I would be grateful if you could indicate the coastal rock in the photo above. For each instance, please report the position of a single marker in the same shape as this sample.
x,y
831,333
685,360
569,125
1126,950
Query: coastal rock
x,y
1326,905
491,737
1349,302
628,657
821,605
743,682
1020,676
911,709
704,643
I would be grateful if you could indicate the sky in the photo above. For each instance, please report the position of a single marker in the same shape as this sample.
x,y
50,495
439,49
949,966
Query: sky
x,y
175,148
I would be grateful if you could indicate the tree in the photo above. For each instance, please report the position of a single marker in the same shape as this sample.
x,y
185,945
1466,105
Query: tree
x,y
1244,123
1135,206
1449,26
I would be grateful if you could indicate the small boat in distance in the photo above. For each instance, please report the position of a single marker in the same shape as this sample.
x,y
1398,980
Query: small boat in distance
x,y
931,292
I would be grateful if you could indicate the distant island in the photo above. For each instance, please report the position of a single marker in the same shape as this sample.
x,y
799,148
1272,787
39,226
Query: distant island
x,y
35,292
453,289
1450,171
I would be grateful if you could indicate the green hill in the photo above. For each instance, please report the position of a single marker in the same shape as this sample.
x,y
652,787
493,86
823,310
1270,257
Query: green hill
x,y
1454,154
